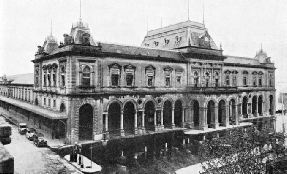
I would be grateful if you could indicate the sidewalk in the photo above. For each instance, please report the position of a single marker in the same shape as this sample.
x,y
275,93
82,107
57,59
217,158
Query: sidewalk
x,y
87,168
51,143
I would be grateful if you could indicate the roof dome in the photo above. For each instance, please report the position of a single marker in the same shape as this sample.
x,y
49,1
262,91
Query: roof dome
x,y
81,34
50,44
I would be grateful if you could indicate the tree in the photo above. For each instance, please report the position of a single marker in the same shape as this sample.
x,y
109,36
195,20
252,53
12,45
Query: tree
x,y
245,151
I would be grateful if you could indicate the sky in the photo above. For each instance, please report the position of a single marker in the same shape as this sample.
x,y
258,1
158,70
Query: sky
x,y
241,26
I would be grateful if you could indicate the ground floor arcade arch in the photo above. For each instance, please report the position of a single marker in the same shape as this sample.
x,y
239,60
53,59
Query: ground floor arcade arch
x,y
244,107
114,118
129,117
167,113
260,103
178,111
195,113
86,122
210,114
221,113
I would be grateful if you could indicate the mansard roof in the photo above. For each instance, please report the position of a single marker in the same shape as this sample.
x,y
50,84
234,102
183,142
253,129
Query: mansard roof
x,y
140,51
179,35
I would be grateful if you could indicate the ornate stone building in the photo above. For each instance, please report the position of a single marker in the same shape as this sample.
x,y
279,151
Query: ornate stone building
x,y
177,79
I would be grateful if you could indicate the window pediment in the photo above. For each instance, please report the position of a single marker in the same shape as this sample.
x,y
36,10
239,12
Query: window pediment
x,y
149,68
234,72
44,67
167,68
245,72
227,72
254,73
84,66
115,66
260,73
129,66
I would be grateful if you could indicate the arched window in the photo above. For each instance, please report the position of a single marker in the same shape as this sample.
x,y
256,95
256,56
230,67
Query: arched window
x,y
86,76
62,107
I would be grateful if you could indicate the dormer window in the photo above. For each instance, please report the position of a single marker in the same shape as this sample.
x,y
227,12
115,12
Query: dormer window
x,y
115,74
166,42
86,76
130,75
150,75
155,43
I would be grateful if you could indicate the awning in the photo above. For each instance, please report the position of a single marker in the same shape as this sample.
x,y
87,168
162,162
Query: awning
x,y
35,109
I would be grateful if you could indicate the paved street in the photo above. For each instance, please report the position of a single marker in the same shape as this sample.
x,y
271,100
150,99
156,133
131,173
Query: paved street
x,y
30,159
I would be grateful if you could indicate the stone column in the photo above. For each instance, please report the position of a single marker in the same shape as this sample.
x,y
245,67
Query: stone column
x,y
161,119
154,120
172,119
183,117
143,119
236,115
256,111
106,130
227,115
202,118
122,124
191,115
136,122
216,124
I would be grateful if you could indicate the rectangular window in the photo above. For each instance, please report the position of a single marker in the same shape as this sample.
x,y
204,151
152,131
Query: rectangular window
x,y
254,81
49,80
44,101
129,79
85,81
115,80
150,81
54,103
167,81
227,80
178,80
216,83
260,81
49,102
195,81
63,80
245,81
54,80
234,81
45,81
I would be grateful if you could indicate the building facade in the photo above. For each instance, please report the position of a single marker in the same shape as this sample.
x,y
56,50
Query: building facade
x,y
177,79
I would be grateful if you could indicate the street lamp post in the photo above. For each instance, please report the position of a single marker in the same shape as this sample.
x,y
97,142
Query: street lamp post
x,y
91,155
